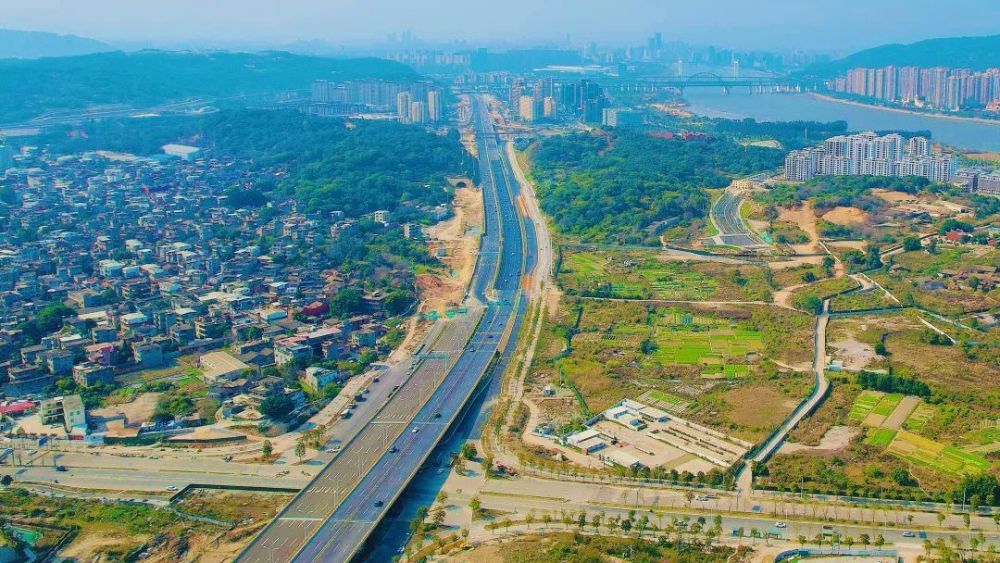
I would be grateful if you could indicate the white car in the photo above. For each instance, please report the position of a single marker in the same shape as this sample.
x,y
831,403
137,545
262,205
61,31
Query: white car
x,y
780,525
909,534
172,488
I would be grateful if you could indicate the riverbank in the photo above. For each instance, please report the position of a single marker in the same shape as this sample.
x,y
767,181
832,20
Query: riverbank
x,y
833,99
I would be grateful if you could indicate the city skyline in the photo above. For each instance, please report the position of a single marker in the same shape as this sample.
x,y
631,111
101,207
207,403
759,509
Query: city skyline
x,y
349,23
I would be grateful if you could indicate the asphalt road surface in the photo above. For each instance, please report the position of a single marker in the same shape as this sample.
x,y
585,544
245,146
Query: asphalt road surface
x,y
331,518
726,216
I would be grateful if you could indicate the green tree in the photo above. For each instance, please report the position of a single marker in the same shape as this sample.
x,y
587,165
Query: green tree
x,y
469,451
300,450
277,405
911,244
267,449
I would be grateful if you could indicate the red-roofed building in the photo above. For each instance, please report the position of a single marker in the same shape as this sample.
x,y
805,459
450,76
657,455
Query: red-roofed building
x,y
17,408
315,309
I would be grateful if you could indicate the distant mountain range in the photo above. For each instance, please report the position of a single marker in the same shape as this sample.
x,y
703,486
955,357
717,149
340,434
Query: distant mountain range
x,y
36,44
977,53
149,78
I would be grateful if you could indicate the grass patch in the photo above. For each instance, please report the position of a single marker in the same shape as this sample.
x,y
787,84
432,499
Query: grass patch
x,y
880,437
887,404
919,417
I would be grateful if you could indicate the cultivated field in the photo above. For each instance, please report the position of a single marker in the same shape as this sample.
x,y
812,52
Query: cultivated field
x,y
637,274
716,365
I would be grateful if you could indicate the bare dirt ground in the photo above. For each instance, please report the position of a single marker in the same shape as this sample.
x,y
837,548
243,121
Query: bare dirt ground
x,y
855,355
893,196
901,412
805,218
672,109
458,237
795,262
139,410
835,439
87,546
989,156
851,244
847,216
757,405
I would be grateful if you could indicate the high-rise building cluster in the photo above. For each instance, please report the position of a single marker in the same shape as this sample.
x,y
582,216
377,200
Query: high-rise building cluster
x,y
545,99
939,87
410,110
423,100
869,154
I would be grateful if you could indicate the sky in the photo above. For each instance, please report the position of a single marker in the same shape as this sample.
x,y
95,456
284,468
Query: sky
x,y
811,25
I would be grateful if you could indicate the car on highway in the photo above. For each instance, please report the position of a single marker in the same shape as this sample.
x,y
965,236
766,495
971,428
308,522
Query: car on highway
x,y
415,430
780,525
61,468
393,450
701,498
909,534
376,380
172,488
379,504
437,414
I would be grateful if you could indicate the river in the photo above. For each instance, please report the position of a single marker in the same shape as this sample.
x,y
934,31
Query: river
x,y
740,104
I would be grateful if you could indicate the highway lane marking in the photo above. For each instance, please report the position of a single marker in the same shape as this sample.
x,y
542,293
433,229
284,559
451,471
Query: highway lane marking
x,y
300,519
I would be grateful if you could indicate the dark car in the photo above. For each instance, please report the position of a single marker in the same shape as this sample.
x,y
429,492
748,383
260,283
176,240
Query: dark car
x,y
61,468
379,504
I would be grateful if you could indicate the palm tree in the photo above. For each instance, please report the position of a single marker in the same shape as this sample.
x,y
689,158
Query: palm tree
x,y
529,518
818,540
546,518
802,541
849,541
879,541
865,540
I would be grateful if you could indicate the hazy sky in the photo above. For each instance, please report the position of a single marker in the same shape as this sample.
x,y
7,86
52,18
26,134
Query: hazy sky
x,y
807,24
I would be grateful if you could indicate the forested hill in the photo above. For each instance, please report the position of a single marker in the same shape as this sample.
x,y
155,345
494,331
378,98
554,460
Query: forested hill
x,y
33,44
146,78
613,186
325,164
977,53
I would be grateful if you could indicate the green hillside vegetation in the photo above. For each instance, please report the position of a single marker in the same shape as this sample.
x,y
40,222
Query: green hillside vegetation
x,y
791,134
146,78
612,187
325,164
832,191
977,53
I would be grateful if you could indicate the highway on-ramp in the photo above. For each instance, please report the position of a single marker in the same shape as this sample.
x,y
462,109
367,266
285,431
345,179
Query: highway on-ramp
x,y
332,517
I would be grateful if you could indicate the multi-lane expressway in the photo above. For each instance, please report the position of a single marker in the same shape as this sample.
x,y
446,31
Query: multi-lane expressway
x,y
332,516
